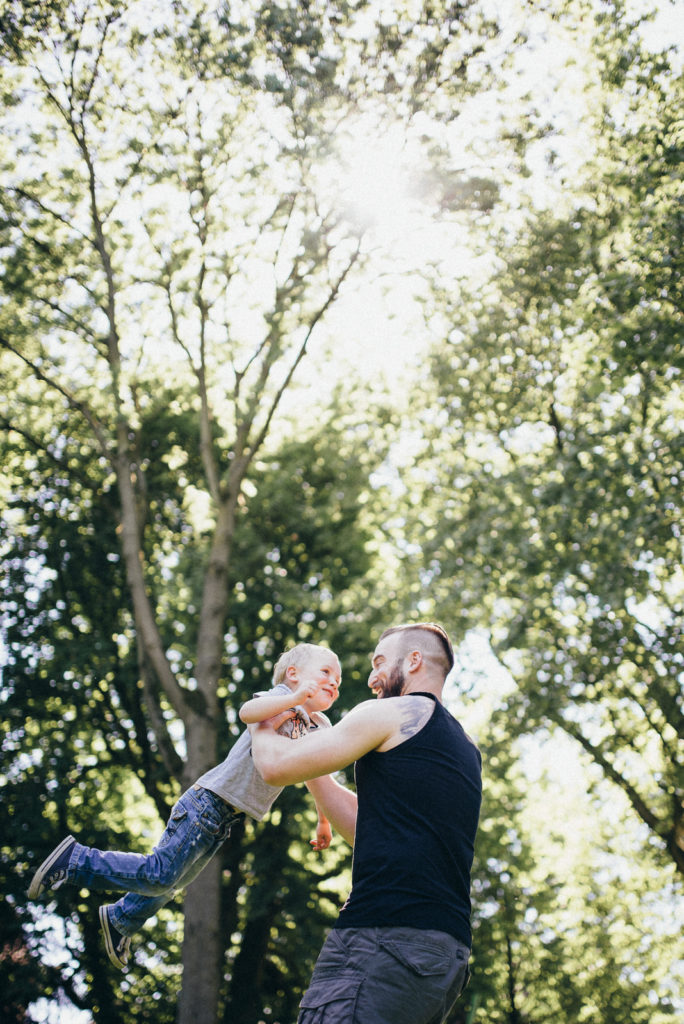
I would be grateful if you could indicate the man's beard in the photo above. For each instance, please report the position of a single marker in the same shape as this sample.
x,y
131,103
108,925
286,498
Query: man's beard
x,y
394,687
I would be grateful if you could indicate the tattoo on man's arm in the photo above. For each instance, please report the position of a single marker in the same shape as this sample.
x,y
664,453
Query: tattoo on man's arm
x,y
413,718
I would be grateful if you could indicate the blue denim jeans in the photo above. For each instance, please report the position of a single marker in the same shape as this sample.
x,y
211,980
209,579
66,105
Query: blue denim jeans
x,y
199,823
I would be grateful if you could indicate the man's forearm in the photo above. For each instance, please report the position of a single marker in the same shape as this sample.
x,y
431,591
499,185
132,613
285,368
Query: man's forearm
x,y
337,803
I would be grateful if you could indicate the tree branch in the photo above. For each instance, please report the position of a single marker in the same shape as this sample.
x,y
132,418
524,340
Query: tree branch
x,y
597,754
315,319
129,527
172,762
62,218
74,402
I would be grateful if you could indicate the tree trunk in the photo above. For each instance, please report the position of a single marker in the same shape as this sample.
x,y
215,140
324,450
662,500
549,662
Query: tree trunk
x,y
514,1016
202,940
202,948
248,970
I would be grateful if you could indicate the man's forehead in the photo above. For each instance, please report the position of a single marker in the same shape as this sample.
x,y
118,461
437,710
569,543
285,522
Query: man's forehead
x,y
386,645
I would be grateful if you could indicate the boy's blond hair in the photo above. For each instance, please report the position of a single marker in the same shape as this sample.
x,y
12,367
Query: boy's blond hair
x,y
298,655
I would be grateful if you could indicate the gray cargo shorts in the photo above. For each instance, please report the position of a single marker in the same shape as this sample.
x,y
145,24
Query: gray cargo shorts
x,y
385,976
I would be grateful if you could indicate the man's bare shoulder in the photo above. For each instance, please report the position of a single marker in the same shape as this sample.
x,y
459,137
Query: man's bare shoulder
x,y
400,717
415,710
385,708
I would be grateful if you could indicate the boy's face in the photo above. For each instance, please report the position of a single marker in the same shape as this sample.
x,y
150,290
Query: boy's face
x,y
322,668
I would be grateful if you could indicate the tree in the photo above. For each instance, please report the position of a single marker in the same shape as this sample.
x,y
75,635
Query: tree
x,y
168,256
162,214
559,423
162,239
571,917
74,710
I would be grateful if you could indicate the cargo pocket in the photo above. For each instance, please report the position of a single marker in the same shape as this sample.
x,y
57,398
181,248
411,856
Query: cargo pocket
x,y
334,999
422,959
410,981
466,979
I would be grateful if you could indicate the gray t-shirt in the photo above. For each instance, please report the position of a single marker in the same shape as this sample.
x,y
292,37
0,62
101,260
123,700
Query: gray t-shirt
x,y
236,779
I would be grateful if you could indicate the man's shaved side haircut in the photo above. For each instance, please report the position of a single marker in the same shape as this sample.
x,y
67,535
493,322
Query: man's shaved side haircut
x,y
429,637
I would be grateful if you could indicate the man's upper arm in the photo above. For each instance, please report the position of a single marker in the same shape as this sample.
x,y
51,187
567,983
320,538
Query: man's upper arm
x,y
323,751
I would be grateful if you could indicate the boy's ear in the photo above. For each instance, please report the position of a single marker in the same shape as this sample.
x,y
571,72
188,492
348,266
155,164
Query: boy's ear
x,y
291,673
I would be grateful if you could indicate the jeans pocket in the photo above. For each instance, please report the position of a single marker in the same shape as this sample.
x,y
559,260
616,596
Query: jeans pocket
x,y
211,816
177,816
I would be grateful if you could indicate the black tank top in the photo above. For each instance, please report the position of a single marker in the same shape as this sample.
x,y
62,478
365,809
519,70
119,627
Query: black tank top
x,y
418,808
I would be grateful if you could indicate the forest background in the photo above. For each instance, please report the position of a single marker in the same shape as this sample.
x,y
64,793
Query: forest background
x,y
315,317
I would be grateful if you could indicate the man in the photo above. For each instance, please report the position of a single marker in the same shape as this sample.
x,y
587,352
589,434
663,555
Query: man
x,y
398,952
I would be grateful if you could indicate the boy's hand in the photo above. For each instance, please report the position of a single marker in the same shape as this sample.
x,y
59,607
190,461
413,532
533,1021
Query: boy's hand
x,y
323,836
304,691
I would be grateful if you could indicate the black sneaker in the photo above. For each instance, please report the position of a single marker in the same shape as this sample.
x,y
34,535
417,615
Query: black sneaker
x,y
53,871
118,946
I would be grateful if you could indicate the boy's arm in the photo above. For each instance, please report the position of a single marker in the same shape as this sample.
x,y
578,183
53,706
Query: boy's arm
x,y
260,708
335,803
323,832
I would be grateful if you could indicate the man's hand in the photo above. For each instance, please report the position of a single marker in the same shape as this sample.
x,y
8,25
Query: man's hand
x,y
276,721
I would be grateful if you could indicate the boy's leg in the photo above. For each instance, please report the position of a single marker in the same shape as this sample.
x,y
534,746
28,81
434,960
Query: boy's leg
x,y
122,919
199,822
130,912
214,822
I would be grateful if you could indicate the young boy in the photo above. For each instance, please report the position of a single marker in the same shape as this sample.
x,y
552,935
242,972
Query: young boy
x,y
306,681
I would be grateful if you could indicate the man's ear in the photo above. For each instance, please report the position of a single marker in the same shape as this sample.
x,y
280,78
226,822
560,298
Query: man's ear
x,y
415,660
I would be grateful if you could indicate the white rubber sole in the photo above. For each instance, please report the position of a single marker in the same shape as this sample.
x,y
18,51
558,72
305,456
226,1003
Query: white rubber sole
x,y
36,887
118,961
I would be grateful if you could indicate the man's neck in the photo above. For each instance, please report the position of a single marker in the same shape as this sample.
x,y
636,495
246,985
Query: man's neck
x,y
423,686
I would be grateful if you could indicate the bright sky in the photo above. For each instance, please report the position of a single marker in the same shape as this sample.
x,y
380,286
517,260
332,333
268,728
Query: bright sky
x,y
377,323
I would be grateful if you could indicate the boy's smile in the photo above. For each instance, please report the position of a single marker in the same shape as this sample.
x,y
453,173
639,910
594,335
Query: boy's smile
x,y
323,669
